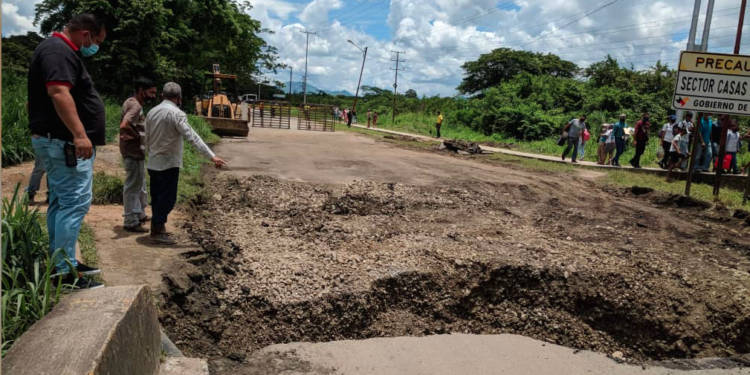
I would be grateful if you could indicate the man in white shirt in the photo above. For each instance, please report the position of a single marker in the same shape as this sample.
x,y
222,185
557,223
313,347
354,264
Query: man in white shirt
x,y
733,145
166,127
667,135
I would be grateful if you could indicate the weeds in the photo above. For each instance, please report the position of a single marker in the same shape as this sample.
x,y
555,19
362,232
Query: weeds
x,y
28,290
191,177
107,189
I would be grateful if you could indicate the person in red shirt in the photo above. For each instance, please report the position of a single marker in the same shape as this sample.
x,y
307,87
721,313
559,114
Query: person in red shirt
x,y
640,139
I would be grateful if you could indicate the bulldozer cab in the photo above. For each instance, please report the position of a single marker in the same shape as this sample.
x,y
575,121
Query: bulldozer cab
x,y
219,103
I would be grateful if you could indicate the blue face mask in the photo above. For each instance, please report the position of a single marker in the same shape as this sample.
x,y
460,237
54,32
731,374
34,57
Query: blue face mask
x,y
90,50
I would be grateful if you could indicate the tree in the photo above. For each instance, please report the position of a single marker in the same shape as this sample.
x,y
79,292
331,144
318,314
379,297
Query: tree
x,y
410,93
502,64
176,40
18,50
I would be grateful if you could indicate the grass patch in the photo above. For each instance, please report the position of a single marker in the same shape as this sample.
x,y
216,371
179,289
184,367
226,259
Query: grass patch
x,y
107,188
191,178
703,192
28,292
87,241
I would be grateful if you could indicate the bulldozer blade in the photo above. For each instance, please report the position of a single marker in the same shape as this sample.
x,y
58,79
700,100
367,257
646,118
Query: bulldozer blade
x,y
228,127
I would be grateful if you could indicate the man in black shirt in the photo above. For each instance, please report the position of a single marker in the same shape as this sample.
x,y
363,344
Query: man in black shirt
x,y
67,121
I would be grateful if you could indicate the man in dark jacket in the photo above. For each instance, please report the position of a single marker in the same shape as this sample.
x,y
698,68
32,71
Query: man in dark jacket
x,y
640,139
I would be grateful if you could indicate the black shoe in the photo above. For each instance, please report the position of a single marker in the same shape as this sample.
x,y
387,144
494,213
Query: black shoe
x,y
78,284
138,228
86,270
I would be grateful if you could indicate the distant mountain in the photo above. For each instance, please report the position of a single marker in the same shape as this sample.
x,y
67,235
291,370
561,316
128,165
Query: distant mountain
x,y
311,89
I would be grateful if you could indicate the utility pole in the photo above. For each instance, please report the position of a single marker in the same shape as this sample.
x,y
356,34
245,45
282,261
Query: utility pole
x,y
364,57
304,84
692,46
291,69
725,118
395,83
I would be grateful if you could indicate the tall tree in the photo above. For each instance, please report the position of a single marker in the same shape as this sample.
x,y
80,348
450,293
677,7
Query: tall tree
x,y
410,93
17,51
502,64
175,40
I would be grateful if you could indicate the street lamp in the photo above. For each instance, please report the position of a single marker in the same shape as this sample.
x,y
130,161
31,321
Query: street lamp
x,y
364,57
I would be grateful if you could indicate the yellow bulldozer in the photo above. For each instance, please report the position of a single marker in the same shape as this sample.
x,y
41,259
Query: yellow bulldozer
x,y
222,111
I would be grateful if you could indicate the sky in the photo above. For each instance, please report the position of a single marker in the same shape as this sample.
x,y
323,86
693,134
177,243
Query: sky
x,y
438,36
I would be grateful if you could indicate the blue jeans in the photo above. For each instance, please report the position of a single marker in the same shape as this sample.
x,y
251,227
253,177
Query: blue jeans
x,y
733,164
620,147
581,148
35,181
69,199
703,158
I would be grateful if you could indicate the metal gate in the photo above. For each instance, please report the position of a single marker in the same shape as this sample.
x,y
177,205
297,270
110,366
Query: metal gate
x,y
316,117
275,115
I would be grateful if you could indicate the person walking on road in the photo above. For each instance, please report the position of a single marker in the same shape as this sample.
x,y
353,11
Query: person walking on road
x,y
703,155
369,118
678,150
349,118
618,132
375,119
733,145
35,181
575,128
640,139
439,123
582,144
687,123
133,151
67,121
166,128
667,135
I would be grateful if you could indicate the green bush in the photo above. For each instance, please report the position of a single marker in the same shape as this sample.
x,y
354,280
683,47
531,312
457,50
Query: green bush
x,y
16,136
107,188
28,292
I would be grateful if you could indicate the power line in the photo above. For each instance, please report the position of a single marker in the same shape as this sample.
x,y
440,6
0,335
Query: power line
x,y
395,82
488,11
613,30
504,44
572,22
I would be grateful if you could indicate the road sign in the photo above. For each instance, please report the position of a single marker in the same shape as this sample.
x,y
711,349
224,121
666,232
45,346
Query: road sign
x,y
713,82
281,96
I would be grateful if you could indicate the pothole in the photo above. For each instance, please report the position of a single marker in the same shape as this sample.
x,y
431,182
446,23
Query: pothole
x,y
286,261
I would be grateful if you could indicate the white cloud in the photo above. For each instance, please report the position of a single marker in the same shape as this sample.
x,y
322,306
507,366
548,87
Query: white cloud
x,y
17,20
278,8
637,31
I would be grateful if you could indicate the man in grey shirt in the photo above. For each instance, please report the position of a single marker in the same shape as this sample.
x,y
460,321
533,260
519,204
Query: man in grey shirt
x,y
166,127
575,129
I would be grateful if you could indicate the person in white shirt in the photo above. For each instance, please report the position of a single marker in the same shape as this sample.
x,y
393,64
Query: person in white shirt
x,y
667,135
678,150
687,123
733,145
166,127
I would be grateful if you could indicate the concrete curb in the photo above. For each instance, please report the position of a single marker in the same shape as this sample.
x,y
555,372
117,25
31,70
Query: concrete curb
x,y
111,330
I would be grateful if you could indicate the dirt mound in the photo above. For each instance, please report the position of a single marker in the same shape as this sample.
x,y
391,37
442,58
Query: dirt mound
x,y
288,261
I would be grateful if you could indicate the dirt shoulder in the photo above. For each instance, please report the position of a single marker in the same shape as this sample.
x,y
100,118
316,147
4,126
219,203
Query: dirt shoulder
x,y
321,237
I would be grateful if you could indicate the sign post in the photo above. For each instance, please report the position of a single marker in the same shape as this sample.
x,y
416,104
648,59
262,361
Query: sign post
x,y
712,83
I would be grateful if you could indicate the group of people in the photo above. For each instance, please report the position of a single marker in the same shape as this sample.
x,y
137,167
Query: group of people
x,y
350,116
674,141
67,122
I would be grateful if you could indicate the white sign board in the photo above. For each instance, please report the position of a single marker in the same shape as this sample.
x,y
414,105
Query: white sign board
x,y
713,82
281,96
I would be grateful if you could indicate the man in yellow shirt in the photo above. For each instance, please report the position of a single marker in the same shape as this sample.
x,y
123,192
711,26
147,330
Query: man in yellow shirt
x,y
439,123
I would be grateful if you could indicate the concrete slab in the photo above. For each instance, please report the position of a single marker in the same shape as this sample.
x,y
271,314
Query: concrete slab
x,y
443,355
111,330
184,366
